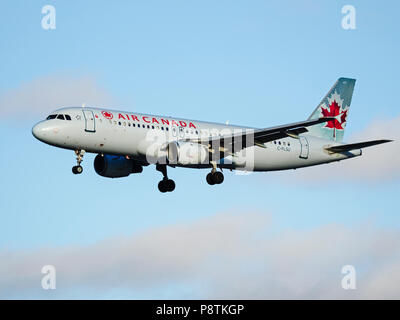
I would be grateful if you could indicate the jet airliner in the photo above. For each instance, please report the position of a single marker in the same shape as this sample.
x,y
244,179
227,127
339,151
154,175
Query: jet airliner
x,y
125,142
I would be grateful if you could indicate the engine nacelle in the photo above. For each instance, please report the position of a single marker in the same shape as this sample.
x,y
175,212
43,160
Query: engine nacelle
x,y
115,166
186,153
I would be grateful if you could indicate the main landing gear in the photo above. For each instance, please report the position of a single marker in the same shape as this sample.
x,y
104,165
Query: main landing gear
x,y
79,158
165,185
215,177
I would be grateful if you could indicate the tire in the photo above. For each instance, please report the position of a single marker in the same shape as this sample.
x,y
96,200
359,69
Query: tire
x,y
210,179
77,169
162,186
170,184
218,177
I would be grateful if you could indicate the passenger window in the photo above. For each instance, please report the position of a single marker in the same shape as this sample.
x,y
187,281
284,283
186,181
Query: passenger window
x,y
52,116
61,117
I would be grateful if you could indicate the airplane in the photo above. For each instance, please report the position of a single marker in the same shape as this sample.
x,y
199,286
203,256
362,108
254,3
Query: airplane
x,y
125,142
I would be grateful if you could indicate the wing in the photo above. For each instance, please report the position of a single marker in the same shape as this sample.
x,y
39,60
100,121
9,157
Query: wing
x,y
228,144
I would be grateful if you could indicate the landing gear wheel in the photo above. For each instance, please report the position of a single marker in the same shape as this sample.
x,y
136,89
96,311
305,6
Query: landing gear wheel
x,y
215,178
77,169
162,186
79,157
210,179
166,185
218,177
170,185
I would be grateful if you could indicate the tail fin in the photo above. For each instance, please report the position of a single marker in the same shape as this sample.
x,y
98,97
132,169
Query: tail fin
x,y
335,104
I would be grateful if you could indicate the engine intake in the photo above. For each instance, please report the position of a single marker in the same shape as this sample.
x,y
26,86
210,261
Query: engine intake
x,y
115,166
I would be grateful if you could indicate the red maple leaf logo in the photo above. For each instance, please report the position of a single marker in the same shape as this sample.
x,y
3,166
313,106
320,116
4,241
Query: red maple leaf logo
x,y
334,111
107,115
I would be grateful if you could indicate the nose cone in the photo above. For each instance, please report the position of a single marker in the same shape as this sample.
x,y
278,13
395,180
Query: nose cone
x,y
41,131
35,131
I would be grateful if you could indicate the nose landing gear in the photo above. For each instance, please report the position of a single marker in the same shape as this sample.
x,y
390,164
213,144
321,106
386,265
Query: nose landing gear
x,y
79,158
77,169
165,185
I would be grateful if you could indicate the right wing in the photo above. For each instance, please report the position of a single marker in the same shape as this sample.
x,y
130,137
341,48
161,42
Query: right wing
x,y
250,137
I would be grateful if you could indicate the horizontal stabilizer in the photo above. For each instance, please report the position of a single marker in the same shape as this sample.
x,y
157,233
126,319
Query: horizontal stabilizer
x,y
353,146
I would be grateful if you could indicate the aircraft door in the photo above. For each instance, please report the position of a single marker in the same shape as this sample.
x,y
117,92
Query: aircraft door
x,y
174,133
89,121
305,148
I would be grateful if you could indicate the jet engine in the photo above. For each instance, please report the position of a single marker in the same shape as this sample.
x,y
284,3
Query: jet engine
x,y
115,166
186,153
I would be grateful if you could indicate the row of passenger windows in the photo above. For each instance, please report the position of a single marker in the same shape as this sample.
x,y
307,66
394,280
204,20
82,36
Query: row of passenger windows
x,y
282,143
59,116
149,126
140,126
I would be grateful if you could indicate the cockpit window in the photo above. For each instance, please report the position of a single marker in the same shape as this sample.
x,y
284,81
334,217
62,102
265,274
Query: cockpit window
x,y
59,116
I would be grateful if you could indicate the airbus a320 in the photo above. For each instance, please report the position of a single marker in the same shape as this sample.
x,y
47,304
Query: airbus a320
x,y
125,142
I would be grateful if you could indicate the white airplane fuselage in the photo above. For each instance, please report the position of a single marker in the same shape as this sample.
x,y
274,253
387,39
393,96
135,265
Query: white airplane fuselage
x,y
125,142
133,135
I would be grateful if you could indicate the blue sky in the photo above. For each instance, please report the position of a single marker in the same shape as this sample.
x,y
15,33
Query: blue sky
x,y
256,63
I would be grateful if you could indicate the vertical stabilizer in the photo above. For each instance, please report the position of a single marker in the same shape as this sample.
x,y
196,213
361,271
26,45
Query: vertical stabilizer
x,y
335,104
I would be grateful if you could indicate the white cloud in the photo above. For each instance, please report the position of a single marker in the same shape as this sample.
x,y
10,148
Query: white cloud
x,y
47,93
376,163
224,256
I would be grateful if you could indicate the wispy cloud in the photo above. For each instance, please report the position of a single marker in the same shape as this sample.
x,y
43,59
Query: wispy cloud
x,y
231,255
44,94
